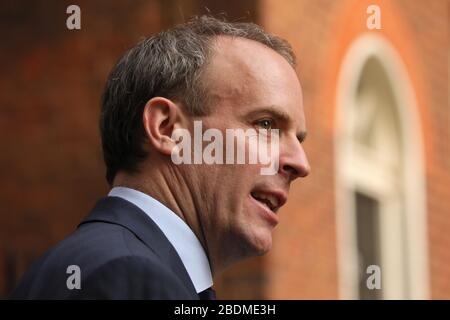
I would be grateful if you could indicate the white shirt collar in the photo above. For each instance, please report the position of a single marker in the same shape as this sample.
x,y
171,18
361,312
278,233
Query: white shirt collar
x,y
177,231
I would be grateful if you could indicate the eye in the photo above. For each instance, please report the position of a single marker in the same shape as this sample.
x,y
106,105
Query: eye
x,y
265,124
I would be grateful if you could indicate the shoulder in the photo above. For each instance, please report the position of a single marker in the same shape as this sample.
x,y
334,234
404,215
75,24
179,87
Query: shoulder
x,y
131,277
115,264
111,262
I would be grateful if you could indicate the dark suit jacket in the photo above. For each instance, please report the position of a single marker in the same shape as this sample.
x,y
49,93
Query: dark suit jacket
x,y
121,253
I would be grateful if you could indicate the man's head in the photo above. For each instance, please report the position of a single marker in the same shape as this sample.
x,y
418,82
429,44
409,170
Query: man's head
x,y
229,76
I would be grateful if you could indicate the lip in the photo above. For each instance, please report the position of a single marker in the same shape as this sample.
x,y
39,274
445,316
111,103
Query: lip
x,y
280,195
268,214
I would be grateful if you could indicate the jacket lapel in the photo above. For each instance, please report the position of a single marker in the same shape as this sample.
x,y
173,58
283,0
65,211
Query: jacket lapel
x,y
122,212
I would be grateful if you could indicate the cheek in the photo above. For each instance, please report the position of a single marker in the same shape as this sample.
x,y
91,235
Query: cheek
x,y
239,179
231,188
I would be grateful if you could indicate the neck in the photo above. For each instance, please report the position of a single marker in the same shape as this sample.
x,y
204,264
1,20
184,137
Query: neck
x,y
178,197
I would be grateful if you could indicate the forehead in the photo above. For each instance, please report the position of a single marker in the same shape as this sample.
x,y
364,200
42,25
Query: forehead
x,y
244,74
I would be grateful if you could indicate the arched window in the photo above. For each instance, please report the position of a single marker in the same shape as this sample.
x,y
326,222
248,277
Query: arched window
x,y
380,182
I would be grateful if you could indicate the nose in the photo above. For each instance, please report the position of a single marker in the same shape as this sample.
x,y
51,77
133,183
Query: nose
x,y
293,161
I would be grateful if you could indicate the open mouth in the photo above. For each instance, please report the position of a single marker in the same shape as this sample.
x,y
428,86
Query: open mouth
x,y
270,200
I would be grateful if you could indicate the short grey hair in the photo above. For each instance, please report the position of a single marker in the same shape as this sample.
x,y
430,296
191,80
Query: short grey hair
x,y
169,64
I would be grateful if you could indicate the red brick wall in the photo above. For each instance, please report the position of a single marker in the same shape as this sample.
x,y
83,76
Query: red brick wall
x,y
303,261
51,166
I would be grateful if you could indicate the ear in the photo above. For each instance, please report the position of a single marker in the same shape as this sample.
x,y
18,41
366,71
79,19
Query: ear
x,y
160,118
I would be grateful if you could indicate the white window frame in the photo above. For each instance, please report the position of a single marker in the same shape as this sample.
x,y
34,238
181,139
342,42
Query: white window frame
x,y
364,47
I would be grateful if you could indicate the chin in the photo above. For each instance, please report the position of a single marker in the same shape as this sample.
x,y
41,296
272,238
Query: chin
x,y
261,243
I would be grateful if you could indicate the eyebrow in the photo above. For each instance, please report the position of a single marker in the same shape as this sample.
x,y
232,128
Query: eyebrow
x,y
275,112
279,115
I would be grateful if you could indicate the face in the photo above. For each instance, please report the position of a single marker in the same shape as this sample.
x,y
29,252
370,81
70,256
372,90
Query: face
x,y
251,87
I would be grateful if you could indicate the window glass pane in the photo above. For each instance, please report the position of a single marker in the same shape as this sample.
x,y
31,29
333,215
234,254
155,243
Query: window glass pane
x,y
367,217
